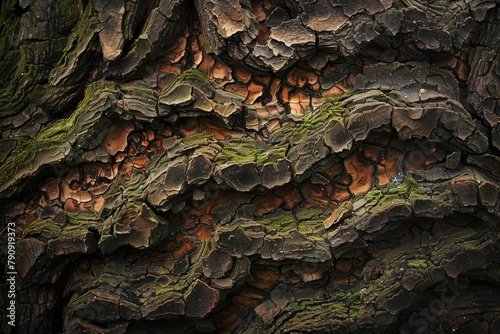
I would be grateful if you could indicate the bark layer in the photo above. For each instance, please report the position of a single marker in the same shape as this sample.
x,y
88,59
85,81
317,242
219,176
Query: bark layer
x,y
252,166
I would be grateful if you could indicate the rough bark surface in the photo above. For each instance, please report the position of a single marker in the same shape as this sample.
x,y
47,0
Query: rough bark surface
x,y
252,166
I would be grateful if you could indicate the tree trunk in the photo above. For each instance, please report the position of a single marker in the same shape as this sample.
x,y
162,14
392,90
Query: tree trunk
x,y
251,166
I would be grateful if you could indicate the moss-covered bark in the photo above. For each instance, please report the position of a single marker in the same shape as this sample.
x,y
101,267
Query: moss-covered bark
x,y
251,167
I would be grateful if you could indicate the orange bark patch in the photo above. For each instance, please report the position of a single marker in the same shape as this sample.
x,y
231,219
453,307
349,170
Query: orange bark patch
x,y
191,127
51,188
415,160
333,171
343,265
179,248
71,205
267,310
228,320
207,63
300,77
273,125
242,75
315,194
214,129
222,198
263,35
298,103
335,90
267,203
341,194
230,317
116,139
264,278
220,72
167,68
237,88
203,232
190,222
254,92
388,167
309,273
258,11
290,195
140,162
371,152
335,282
206,219
177,50
361,174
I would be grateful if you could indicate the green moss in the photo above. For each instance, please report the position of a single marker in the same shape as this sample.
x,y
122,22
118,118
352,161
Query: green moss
x,y
389,199
105,279
394,255
80,220
271,155
325,306
308,214
316,313
313,230
81,46
461,240
317,121
206,46
55,137
282,223
45,228
140,90
394,192
357,297
361,313
75,218
409,186
373,196
417,263
26,66
244,150
127,189
311,224
193,77
198,139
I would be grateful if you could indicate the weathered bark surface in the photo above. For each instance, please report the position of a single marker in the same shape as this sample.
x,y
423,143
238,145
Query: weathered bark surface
x,y
252,166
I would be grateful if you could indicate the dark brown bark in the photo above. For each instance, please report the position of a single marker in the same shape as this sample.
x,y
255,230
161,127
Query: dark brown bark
x,y
251,166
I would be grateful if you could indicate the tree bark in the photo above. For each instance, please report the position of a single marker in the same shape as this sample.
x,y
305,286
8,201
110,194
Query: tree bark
x,y
251,166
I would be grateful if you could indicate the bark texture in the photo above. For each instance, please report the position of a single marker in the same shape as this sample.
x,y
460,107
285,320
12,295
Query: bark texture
x,y
252,166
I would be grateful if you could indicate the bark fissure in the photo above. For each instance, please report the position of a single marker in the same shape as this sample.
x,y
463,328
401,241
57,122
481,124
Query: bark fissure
x,y
251,166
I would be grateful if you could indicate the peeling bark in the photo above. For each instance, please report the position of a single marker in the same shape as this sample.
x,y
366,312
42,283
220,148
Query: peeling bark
x,y
251,166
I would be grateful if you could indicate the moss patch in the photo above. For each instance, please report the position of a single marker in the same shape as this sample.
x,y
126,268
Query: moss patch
x,y
407,189
245,150
317,121
53,142
282,224
417,263
44,229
